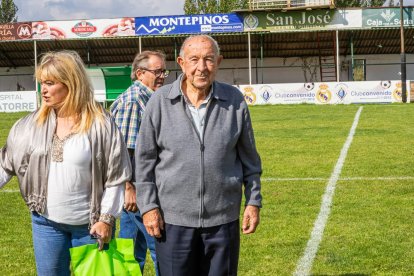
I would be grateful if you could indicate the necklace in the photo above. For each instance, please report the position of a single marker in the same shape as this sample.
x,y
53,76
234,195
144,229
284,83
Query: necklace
x,y
57,147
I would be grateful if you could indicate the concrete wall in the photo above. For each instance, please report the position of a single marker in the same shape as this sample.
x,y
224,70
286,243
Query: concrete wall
x,y
20,79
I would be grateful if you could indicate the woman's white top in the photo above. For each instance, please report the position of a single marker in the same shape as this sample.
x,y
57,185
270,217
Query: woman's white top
x,y
70,184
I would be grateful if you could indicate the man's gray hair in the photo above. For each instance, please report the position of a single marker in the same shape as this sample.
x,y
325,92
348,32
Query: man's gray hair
x,y
141,61
213,41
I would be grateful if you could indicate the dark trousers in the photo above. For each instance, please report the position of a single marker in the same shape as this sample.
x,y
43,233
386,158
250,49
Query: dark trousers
x,y
187,251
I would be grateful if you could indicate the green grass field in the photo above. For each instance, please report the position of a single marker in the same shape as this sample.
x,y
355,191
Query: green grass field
x,y
369,227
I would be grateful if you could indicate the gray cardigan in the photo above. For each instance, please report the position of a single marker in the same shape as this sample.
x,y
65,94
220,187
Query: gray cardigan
x,y
197,183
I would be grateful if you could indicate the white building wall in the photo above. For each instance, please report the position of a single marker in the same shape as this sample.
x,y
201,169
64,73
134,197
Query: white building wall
x,y
19,79
292,70
377,71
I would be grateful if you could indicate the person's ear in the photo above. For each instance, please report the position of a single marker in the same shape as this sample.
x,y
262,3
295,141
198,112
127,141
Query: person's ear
x,y
139,74
219,59
180,61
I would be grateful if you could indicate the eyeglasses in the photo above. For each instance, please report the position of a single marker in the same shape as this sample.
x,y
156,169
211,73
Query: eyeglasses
x,y
157,72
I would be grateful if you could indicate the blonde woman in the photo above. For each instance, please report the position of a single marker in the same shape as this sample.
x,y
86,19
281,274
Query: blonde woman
x,y
71,163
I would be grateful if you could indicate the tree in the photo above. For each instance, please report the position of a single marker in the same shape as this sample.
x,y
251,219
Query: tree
x,y
358,3
213,6
8,11
190,7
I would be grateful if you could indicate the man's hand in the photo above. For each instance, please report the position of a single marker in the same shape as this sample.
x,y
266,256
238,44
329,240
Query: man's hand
x,y
130,198
153,222
103,231
251,219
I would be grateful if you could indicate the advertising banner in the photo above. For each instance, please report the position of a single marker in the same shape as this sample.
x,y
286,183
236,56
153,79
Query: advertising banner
x,y
15,31
17,101
323,93
83,28
386,17
188,24
323,19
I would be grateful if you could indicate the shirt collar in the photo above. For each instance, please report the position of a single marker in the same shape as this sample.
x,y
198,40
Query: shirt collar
x,y
143,88
214,92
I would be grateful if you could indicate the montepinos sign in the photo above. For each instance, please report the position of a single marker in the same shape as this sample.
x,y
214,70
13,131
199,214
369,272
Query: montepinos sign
x,y
188,24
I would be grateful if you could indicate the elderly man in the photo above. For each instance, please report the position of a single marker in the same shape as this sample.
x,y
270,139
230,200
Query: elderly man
x,y
195,152
148,74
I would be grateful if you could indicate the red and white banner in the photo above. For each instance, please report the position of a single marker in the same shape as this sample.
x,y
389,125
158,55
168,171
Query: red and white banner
x,y
84,28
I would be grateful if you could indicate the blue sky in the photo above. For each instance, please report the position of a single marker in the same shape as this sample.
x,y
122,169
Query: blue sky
x,y
40,10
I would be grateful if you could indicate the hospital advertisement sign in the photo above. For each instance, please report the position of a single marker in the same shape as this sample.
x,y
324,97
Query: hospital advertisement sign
x,y
18,101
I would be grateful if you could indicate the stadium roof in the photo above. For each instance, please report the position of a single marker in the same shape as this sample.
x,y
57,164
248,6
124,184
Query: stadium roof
x,y
233,46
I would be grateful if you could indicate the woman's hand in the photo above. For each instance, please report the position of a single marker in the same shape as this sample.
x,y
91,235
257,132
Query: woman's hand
x,y
103,232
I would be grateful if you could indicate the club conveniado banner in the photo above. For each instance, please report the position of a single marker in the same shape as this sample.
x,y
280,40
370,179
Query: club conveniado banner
x,y
323,92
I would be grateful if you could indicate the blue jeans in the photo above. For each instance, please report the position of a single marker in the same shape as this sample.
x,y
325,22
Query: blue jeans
x,y
131,226
51,242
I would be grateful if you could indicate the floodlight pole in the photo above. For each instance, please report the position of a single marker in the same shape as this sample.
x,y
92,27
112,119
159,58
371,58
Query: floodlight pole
x,y
337,55
35,59
250,58
403,64
36,80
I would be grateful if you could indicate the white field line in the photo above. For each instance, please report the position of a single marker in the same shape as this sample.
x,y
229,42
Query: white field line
x,y
378,178
304,265
9,191
288,179
297,179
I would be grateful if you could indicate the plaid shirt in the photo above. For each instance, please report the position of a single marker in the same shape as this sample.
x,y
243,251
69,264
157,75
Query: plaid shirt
x,y
128,110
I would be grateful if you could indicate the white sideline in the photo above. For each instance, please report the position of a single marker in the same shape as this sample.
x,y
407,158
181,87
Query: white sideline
x,y
10,191
281,179
304,265
378,178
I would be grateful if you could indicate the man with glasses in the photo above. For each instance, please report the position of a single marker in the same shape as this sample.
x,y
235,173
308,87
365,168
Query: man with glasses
x,y
148,73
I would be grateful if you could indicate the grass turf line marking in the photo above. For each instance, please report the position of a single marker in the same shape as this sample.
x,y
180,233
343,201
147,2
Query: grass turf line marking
x,y
378,178
281,179
10,191
304,265
269,179
287,179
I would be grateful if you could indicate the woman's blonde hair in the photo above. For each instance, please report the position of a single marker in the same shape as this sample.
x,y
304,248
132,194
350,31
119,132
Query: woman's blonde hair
x,y
67,67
